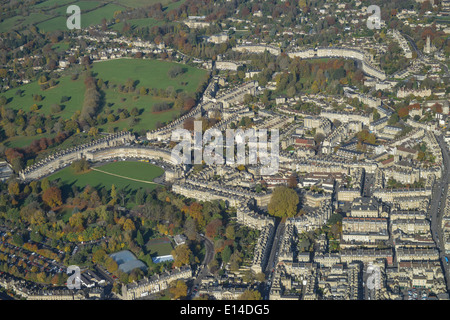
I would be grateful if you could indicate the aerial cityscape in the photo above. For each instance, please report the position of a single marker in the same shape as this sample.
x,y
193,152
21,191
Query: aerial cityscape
x,y
224,150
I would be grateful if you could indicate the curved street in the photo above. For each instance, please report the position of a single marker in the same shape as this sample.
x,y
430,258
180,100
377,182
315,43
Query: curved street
x,y
440,191
209,255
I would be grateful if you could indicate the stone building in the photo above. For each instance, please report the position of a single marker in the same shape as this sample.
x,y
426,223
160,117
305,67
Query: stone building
x,y
157,283
61,159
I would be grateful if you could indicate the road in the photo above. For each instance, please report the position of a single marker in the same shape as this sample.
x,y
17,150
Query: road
x,y
421,56
414,46
209,248
273,257
439,194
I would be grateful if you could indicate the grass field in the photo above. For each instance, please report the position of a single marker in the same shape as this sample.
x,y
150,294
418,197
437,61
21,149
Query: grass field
x,y
24,141
88,18
160,246
20,22
150,73
51,3
51,15
65,87
130,169
147,73
137,23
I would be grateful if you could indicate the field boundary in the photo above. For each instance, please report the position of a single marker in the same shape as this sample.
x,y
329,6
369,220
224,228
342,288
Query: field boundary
x,y
128,178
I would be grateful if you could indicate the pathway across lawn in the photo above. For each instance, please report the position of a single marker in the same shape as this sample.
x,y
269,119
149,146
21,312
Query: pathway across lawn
x,y
128,178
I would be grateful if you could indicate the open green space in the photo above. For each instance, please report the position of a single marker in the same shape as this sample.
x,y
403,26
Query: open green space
x,y
149,73
128,169
65,87
94,16
20,22
167,4
140,3
52,3
159,247
137,23
146,73
24,141
51,15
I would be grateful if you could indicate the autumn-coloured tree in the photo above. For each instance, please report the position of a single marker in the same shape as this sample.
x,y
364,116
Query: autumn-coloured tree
x,y
283,202
179,290
250,295
111,265
98,256
230,232
14,188
52,197
129,225
212,228
403,112
195,211
188,103
113,194
181,255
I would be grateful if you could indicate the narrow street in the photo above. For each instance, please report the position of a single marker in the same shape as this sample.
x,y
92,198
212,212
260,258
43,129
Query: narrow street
x,y
438,200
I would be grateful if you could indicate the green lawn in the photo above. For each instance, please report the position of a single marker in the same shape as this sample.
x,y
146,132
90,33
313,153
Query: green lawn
x,y
159,247
147,119
65,87
60,46
137,23
150,73
135,170
19,22
87,18
25,141
51,15
51,3
145,3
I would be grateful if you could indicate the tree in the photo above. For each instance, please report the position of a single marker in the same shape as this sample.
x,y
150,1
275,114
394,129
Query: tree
x,y
226,254
45,184
179,290
230,232
99,256
175,71
80,165
181,255
52,197
140,196
139,238
250,295
292,181
283,202
17,239
129,225
111,265
113,194
393,119
14,188
55,108
93,131
190,229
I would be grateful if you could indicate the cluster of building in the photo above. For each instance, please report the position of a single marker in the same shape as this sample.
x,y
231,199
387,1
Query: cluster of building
x,y
341,52
61,159
157,283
